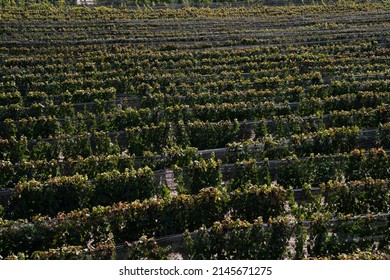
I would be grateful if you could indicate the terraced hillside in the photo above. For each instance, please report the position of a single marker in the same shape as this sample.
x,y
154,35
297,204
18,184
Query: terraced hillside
x,y
216,132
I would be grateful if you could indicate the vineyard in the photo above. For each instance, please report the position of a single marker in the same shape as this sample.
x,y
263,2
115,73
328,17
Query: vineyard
x,y
218,131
